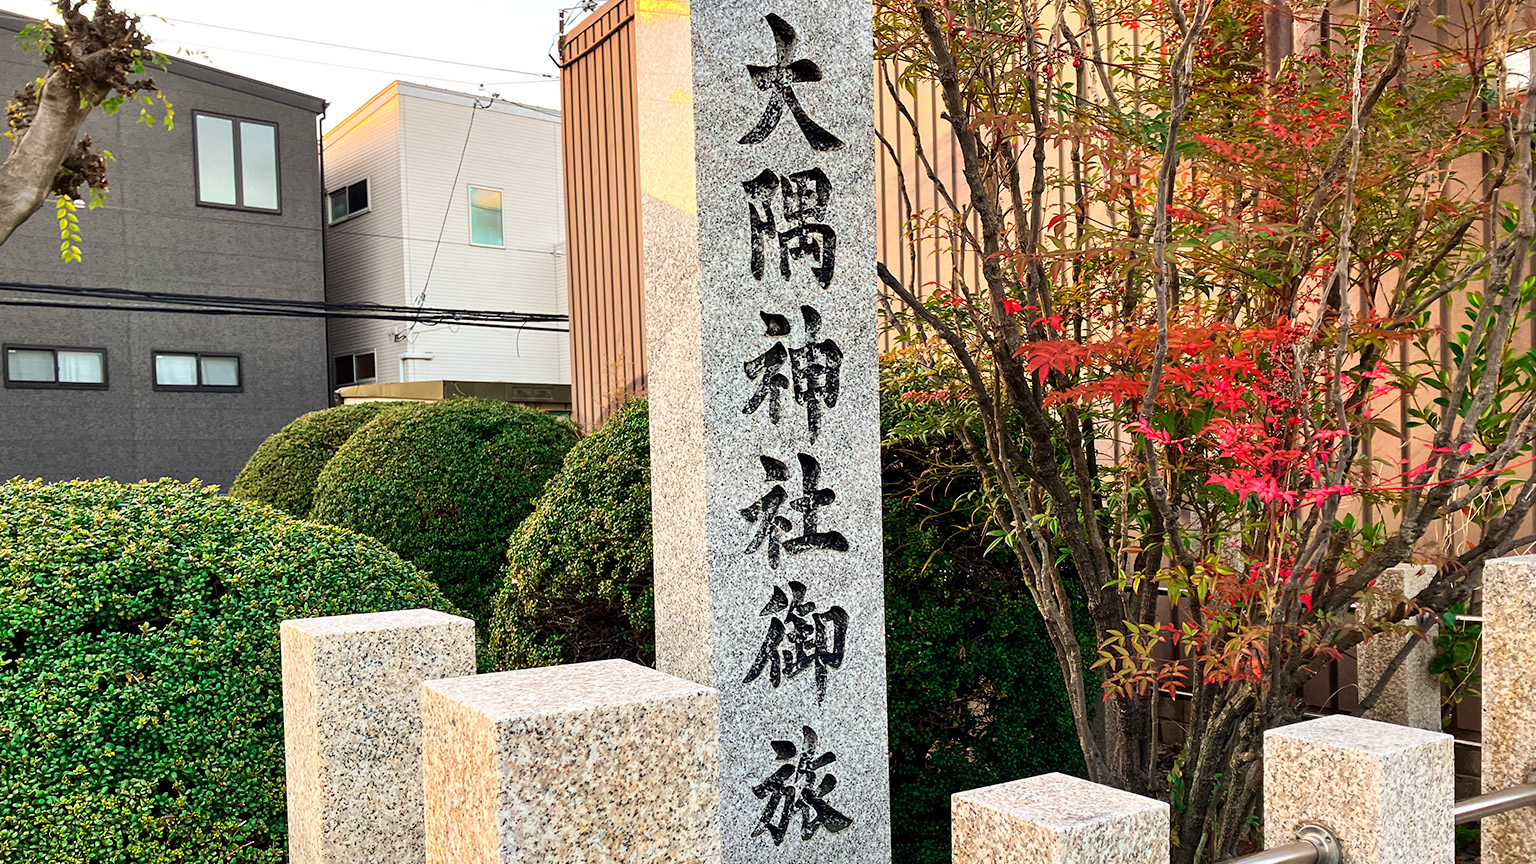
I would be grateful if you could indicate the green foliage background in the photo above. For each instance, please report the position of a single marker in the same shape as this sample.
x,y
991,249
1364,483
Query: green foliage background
x,y
284,469
140,673
975,694
444,485
577,584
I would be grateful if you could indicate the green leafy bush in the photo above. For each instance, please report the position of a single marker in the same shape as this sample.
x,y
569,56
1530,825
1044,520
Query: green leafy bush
x,y
283,470
444,486
578,581
140,674
975,696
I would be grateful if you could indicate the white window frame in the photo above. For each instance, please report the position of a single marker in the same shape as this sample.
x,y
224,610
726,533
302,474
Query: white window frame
x,y
353,357
351,214
469,211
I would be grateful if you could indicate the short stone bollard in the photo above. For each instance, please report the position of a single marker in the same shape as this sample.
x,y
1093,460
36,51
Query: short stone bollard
x,y
1057,819
352,730
1509,702
1385,791
1412,696
600,762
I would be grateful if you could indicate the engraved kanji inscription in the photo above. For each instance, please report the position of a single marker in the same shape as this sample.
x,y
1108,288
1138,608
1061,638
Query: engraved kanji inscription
x,y
799,638
778,82
772,524
802,200
815,369
799,786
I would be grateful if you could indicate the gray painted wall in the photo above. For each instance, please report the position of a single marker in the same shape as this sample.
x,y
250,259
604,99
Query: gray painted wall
x,y
152,235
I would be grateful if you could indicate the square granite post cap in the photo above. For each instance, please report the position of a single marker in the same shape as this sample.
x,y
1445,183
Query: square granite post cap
x,y
1343,733
402,619
527,693
1059,803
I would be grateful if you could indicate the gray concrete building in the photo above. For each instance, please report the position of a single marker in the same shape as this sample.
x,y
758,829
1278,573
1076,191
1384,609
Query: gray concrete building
x,y
228,202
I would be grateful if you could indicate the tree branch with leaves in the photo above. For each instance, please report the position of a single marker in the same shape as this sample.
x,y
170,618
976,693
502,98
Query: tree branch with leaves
x,y
94,60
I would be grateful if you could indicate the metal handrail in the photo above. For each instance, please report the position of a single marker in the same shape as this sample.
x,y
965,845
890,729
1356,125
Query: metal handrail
x,y
1494,803
1314,845
1317,845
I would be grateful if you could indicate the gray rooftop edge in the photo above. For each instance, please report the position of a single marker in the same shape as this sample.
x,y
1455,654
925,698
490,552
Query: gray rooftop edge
x,y
10,21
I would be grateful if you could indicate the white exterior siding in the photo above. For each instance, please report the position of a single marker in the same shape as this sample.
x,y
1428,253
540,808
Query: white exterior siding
x,y
412,142
365,255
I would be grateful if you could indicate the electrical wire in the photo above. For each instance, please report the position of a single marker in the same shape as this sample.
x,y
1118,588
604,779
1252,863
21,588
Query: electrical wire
x,y
422,298
274,307
365,50
392,72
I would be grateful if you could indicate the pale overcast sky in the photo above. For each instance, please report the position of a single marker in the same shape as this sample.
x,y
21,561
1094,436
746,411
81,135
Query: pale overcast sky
x,y
493,35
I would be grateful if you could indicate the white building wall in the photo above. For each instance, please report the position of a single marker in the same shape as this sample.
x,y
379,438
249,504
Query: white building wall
x,y
516,150
365,255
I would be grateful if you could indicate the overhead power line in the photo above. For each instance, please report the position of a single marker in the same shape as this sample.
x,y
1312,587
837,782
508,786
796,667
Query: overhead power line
x,y
394,72
128,300
357,48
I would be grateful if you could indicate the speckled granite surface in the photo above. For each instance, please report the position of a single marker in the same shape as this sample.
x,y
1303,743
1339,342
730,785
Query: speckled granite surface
x,y
592,762
1412,696
1509,702
352,730
764,396
1385,790
1057,819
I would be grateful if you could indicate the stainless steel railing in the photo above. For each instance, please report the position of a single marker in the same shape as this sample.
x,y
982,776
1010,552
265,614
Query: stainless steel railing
x,y
1494,803
1317,845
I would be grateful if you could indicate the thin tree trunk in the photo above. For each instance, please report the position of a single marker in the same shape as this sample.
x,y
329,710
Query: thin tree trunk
x,y
27,174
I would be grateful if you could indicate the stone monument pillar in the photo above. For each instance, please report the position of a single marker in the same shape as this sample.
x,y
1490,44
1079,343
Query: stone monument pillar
x,y
1057,819
757,160
1385,791
352,729
1509,702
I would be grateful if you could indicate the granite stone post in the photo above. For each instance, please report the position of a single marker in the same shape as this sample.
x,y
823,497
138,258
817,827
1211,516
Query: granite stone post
x,y
1509,702
1412,696
352,730
1057,819
1386,791
599,762
756,155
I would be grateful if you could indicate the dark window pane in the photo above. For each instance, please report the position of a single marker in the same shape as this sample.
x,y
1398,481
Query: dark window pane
x,y
344,371
365,369
357,197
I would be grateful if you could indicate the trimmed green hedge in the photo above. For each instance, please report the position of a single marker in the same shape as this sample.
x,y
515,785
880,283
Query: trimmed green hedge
x,y
444,485
578,581
283,470
140,672
975,694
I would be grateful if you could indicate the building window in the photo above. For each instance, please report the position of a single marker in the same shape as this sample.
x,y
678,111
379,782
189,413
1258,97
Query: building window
x,y
355,369
56,368
189,371
348,201
236,162
485,216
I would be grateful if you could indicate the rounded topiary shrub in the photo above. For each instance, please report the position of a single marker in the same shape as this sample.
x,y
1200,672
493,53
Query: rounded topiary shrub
x,y
283,470
444,485
140,675
577,585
